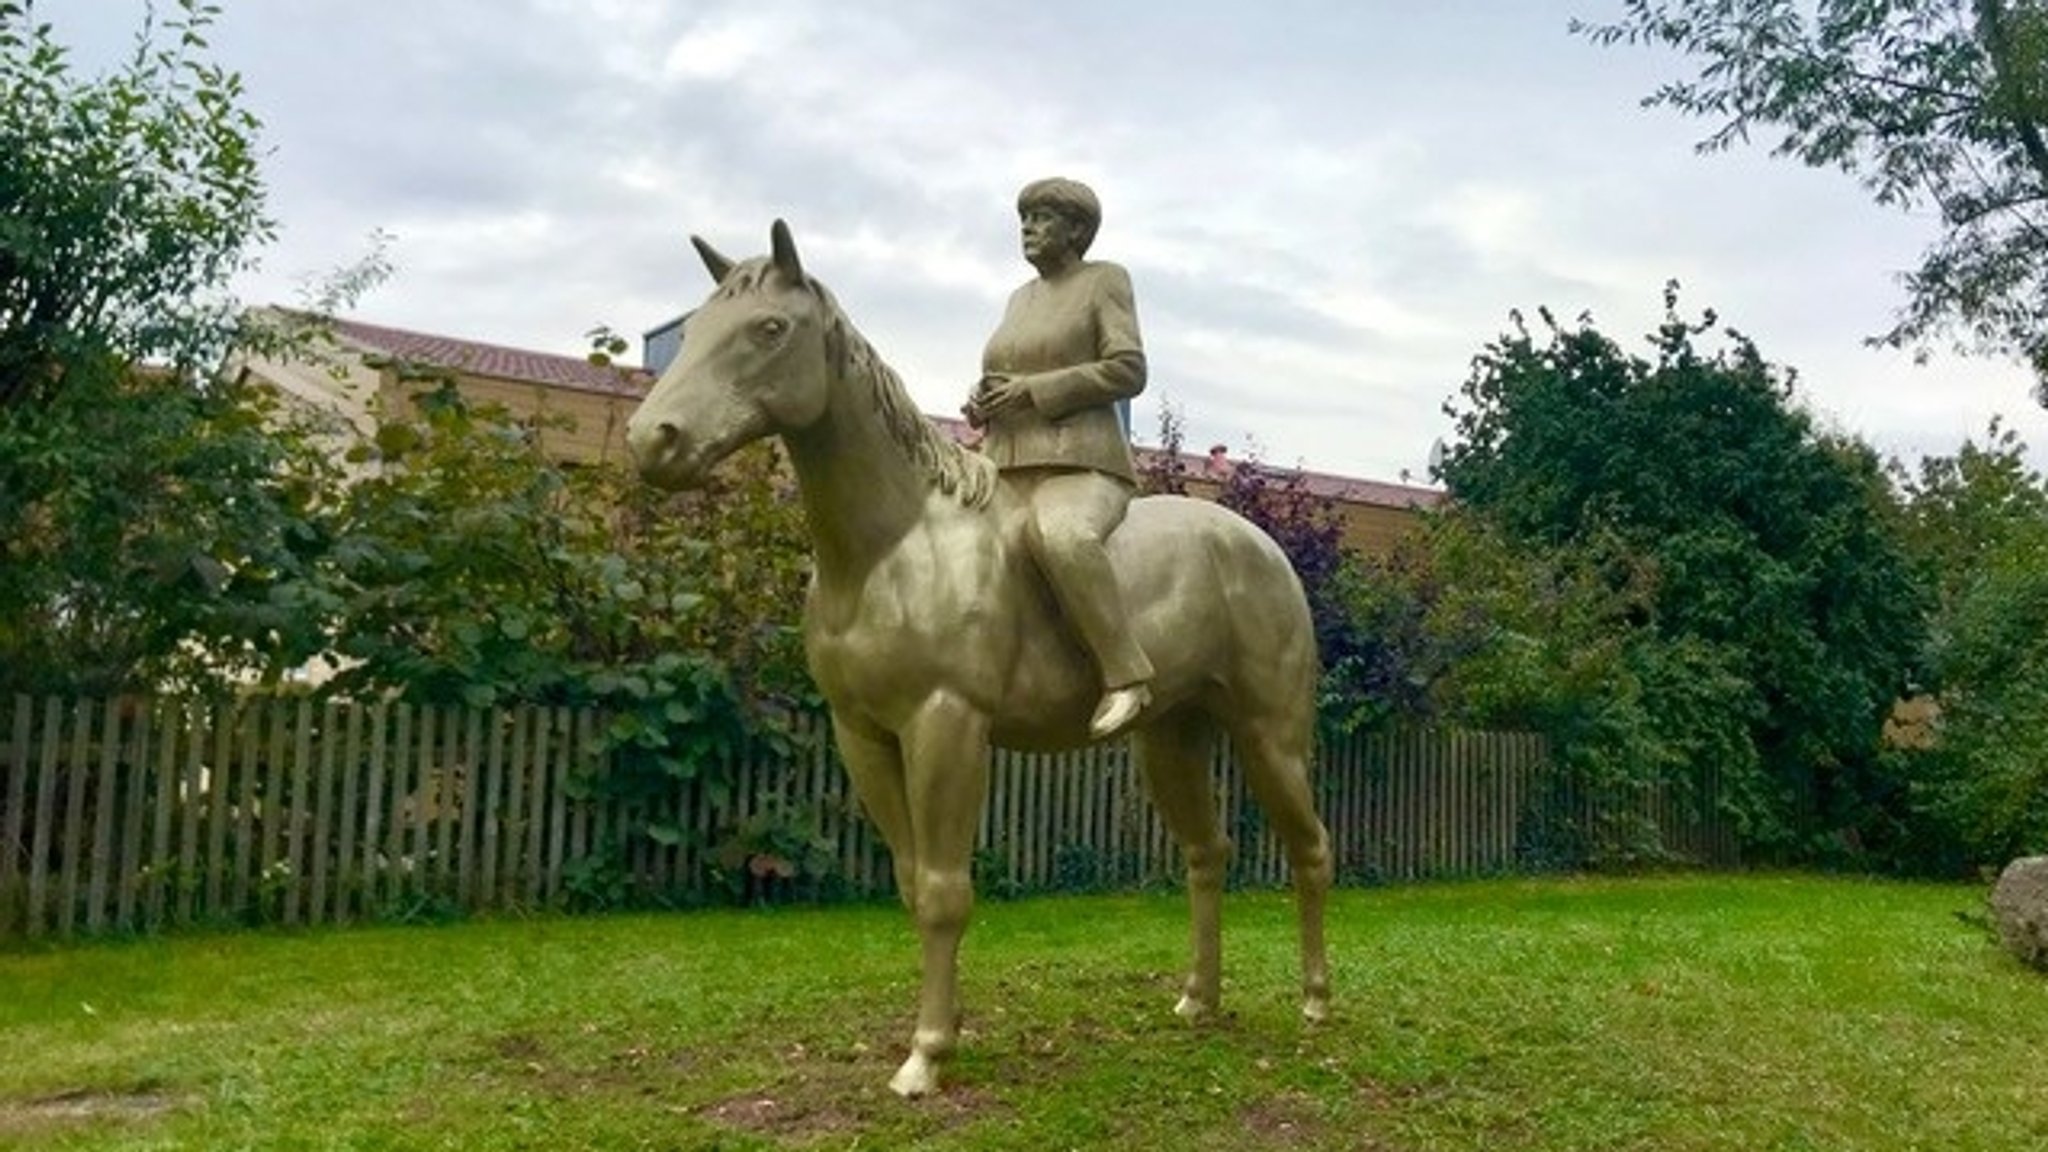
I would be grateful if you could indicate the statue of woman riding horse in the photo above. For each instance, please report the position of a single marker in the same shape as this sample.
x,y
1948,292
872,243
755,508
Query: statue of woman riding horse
x,y
939,620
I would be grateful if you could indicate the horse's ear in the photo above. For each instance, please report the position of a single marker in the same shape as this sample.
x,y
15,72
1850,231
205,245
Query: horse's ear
x,y
718,265
784,247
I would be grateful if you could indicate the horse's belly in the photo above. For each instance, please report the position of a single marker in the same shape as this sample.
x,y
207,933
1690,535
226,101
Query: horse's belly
x,y
1020,667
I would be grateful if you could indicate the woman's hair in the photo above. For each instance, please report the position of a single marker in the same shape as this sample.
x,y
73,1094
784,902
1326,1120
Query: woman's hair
x,y
1070,198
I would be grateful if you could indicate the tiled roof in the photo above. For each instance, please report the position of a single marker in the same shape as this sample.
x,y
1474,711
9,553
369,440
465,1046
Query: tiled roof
x,y
479,359
1373,491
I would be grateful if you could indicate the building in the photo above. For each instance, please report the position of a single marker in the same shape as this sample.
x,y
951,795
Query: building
x,y
370,366
361,369
1376,514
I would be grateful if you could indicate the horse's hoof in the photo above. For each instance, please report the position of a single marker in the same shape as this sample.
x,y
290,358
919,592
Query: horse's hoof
x,y
1315,1010
1193,1010
1118,708
918,1077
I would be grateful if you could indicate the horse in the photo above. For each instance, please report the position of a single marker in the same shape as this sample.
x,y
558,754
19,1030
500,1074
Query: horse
x,y
933,637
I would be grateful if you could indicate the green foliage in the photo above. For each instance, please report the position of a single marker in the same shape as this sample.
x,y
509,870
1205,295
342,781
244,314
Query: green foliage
x,y
1991,782
1978,522
470,568
993,877
154,536
776,855
1081,868
1544,639
1941,102
598,881
1405,643
130,199
156,524
1960,513
1722,578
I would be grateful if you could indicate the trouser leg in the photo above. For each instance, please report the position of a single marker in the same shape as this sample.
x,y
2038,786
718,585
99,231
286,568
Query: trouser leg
x,y
1072,514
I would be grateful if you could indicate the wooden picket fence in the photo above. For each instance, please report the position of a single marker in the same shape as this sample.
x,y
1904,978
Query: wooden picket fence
x,y
134,815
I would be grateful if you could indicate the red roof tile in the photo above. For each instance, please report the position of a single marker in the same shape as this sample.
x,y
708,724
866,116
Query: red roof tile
x,y
495,360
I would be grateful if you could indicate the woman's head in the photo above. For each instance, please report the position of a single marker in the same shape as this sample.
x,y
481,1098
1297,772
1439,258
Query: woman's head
x,y
1072,200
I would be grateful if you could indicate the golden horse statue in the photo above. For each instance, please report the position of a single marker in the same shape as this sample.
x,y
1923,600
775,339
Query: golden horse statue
x,y
933,637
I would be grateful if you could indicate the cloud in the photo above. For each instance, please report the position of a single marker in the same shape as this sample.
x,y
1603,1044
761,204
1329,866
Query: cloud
x,y
1326,211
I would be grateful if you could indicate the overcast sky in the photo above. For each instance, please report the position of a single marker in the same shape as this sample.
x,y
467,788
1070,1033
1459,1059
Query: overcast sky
x,y
1327,208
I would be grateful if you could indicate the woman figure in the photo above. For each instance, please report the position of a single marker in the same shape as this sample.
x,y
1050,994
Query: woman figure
x,y
1065,353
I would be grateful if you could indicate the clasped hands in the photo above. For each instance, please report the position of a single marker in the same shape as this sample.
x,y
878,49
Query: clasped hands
x,y
997,393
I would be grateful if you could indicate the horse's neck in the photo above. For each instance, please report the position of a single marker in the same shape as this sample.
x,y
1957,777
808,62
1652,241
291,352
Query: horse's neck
x,y
861,495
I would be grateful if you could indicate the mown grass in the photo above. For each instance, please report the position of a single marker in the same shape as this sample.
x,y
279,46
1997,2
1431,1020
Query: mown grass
x,y
1678,1013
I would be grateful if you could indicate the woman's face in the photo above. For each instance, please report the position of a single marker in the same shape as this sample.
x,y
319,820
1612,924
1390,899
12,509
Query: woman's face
x,y
1047,234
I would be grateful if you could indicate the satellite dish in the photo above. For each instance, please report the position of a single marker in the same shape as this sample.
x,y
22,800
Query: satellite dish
x,y
1436,458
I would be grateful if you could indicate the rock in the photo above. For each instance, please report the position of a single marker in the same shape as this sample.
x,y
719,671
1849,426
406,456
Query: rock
x,y
2019,906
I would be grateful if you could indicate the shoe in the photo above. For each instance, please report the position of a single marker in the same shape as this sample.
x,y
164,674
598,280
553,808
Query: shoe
x,y
1119,707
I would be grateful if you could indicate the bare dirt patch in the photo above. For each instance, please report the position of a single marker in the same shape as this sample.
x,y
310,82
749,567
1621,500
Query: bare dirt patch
x,y
808,1109
1284,1120
21,1117
781,1113
1379,1096
567,1071
833,1088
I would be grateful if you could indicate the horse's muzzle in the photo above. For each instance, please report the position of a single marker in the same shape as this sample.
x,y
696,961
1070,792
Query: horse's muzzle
x,y
660,454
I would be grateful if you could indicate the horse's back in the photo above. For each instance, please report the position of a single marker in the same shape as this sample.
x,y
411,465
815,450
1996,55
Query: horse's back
x,y
1215,605
1213,595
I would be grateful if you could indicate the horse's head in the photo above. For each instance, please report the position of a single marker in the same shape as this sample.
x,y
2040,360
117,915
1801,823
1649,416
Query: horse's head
x,y
753,364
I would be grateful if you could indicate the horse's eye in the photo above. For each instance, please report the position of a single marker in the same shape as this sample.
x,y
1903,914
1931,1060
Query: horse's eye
x,y
770,328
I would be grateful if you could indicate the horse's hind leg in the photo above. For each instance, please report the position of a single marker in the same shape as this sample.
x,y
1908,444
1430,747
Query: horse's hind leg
x,y
1276,761
1173,754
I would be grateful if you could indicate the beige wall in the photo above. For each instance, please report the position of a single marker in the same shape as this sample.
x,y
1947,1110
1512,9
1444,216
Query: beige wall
x,y
341,385
596,435
1369,529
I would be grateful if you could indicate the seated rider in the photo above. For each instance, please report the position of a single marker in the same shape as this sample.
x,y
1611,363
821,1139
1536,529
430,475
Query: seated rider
x,y
1066,352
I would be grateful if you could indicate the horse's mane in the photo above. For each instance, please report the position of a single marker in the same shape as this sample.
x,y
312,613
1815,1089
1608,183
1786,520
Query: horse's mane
x,y
968,477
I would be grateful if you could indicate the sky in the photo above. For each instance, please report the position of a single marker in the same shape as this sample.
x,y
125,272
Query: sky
x,y
1327,207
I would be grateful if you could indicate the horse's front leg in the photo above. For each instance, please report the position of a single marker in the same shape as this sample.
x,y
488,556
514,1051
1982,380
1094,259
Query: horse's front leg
x,y
945,759
874,762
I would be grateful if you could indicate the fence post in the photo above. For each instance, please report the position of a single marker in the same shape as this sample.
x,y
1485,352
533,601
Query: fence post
x,y
105,792
69,846
134,798
13,818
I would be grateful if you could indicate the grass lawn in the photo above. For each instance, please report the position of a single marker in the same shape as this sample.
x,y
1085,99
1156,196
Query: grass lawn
x,y
1677,1013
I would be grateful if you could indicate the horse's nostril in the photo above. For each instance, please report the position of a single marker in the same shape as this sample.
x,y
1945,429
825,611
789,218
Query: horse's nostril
x,y
652,443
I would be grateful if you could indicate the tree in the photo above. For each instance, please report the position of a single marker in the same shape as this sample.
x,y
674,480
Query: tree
x,y
155,520
1962,512
130,199
1977,522
1941,102
470,569
1763,546
1988,783
1526,636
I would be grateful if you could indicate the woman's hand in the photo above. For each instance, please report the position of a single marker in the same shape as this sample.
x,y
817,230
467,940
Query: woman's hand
x,y
1000,392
